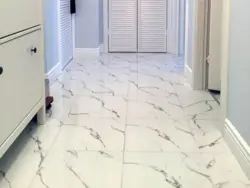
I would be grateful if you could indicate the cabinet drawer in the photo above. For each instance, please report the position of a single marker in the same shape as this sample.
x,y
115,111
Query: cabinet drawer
x,y
17,15
21,80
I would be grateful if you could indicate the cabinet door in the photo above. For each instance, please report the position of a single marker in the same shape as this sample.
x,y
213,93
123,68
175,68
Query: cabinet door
x,y
123,25
20,81
152,26
18,15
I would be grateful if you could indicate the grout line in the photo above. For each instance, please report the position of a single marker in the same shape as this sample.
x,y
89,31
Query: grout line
x,y
124,144
137,78
124,148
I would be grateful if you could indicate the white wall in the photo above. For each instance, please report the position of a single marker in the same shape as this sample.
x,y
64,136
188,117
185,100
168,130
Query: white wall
x,y
239,68
87,24
50,34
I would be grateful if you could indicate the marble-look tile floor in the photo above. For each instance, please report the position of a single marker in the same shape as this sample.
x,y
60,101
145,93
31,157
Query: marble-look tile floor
x,y
124,121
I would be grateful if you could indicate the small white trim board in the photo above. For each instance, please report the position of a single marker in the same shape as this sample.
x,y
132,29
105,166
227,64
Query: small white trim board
x,y
238,146
54,72
189,74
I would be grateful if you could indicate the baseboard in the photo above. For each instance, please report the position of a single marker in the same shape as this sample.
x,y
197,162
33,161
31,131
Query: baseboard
x,y
189,74
86,51
54,72
238,146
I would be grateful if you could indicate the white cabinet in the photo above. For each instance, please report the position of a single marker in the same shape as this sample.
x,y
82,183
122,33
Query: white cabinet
x,y
18,15
20,80
22,93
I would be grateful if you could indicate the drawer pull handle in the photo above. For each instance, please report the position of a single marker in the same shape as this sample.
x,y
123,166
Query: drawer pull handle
x,y
34,49
1,70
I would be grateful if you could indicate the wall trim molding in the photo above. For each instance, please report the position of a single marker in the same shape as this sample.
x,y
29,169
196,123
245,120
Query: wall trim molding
x,y
54,72
188,74
238,146
87,51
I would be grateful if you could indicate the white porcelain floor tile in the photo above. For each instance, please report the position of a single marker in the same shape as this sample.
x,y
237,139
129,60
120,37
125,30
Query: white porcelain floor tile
x,y
188,96
124,120
154,107
203,110
22,161
167,170
140,91
19,165
100,106
197,104
96,169
61,108
207,136
158,135
92,134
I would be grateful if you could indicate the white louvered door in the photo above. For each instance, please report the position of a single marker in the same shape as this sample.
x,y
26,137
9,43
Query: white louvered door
x,y
152,26
123,25
137,25
66,40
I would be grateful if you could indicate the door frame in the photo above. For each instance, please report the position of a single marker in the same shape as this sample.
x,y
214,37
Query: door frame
x,y
59,33
225,51
173,26
198,72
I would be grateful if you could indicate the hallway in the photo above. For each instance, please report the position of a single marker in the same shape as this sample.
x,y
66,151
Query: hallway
x,y
124,121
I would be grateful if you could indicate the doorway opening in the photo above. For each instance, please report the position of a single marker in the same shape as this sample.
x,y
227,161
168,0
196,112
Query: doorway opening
x,y
140,26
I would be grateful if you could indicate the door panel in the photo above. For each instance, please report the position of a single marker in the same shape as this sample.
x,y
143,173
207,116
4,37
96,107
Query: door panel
x,y
123,25
152,26
214,58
